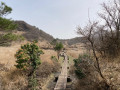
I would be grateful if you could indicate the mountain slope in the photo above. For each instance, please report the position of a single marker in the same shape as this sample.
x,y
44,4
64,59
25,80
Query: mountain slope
x,y
32,32
73,40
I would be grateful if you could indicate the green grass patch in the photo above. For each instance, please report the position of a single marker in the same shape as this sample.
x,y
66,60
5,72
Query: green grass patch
x,y
61,59
71,62
6,39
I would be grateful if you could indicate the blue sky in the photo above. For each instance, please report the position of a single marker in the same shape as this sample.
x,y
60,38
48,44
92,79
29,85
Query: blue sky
x,y
59,18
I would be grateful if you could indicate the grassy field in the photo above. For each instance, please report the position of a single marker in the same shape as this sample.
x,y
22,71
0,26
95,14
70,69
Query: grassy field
x,y
11,78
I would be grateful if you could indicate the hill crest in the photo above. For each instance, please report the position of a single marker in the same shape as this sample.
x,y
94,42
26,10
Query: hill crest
x,y
32,32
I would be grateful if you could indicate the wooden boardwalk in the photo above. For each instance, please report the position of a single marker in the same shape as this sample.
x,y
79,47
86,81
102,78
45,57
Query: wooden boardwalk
x,y
62,79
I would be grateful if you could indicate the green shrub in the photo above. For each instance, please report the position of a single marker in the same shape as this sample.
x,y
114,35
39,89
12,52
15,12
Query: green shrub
x,y
28,56
81,64
11,37
58,47
7,24
78,70
79,73
6,39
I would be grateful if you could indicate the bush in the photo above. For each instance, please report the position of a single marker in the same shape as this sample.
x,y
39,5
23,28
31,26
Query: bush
x,y
79,73
81,65
7,24
9,37
28,56
58,47
87,74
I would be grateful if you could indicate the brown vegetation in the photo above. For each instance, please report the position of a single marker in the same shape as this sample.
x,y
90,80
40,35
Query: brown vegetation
x,y
32,32
13,79
104,39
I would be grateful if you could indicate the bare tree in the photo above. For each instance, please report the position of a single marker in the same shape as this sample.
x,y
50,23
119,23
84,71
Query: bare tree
x,y
111,16
89,33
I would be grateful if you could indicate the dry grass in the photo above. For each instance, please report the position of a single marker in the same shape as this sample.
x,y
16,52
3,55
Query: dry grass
x,y
75,53
75,50
110,69
46,57
10,77
7,53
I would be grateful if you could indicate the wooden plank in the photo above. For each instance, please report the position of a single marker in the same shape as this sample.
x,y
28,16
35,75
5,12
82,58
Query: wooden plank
x,y
62,79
